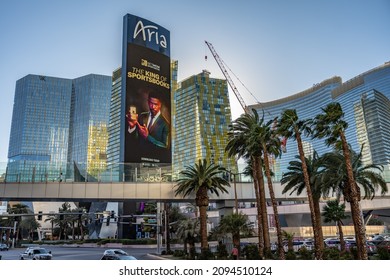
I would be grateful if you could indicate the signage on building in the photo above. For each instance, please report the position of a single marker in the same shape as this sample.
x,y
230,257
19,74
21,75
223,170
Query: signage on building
x,y
147,86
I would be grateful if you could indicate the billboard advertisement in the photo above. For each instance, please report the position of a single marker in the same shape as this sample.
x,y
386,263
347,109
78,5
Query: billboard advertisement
x,y
147,89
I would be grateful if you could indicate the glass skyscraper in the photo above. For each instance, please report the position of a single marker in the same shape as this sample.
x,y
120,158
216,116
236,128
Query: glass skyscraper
x,y
201,119
58,121
38,145
90,110
365,102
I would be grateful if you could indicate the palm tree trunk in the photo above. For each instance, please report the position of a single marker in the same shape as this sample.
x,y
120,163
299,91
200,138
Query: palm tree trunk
x,y
317,241
355,205
274,204
341,235
203,227
260,227
263,205
317,210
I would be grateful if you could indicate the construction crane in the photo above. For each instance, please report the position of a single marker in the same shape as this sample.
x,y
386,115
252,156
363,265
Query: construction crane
x,y
227,76
235,90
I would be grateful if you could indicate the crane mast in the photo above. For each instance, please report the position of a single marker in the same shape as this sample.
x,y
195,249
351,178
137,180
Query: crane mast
x,y
227,76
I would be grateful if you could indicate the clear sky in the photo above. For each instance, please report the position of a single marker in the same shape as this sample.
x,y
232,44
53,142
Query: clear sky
x,y
276,47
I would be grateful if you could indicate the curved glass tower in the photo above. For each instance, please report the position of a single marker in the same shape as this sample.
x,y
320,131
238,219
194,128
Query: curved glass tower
x,y
365,100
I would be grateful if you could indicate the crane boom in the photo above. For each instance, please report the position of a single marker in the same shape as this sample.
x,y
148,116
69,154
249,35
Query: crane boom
x,y
227,76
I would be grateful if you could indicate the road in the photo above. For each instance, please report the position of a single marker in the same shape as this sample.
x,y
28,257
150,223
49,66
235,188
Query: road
x,y
81,253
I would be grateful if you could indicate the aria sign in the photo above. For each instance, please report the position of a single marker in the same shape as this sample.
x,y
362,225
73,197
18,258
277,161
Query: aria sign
x,y
148,34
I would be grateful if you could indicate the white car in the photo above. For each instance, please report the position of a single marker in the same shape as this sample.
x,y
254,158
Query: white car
x,y
36,253
115,252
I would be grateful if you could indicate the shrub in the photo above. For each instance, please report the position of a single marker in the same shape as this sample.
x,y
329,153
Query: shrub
x,y
305,254
178,253
331,254
251,252
206,255
383,253
222,253
290,255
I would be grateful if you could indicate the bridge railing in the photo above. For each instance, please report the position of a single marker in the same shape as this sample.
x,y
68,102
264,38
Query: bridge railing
x,y
38,172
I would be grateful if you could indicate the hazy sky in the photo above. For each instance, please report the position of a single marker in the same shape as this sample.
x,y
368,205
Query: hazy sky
x,y
276,47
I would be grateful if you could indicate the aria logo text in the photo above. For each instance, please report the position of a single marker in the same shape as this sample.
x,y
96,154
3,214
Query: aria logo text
x,y
150,33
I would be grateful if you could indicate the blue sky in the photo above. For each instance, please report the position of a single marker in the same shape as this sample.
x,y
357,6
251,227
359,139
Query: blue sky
x,y
276,48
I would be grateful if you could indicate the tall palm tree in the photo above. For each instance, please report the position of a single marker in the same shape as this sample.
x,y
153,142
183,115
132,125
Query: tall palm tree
x,y
333,211
290,126
264,136
236,224
200,180
331,126
294,181
239,145
261,206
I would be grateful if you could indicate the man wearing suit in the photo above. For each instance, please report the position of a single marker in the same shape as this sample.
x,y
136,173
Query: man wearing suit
x,y
152,129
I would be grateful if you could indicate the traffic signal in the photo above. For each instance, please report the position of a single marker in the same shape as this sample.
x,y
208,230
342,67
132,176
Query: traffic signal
x,y
40,216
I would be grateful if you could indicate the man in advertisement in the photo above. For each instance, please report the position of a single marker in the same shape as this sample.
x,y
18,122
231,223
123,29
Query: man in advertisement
x,y
150,129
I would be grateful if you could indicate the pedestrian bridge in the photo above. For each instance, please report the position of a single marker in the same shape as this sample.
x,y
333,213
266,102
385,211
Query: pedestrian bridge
x,y
145,191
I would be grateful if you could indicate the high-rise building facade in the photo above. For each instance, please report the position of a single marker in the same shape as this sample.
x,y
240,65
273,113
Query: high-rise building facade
x,y
202,116
55,122
38,145
364,100
90,109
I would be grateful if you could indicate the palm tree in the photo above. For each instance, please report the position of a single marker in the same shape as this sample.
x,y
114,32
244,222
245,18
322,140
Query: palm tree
x,y
293,181
331,126
292,127
239,145
64,221
261,206
18,209
188,230
53,219
30,225
264,136
368,177
333,211
236,224
78,219
200,180
289,236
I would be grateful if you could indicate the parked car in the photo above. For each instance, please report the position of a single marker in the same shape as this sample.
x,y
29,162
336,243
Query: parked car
x,y
371,248
377,239
297,244
3,247
332,243
36,253
384,245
